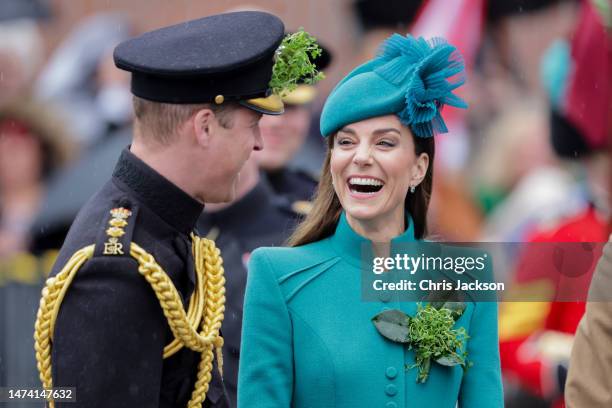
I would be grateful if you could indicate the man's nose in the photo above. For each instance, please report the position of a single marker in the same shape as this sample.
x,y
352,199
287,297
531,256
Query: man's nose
x,y
259,143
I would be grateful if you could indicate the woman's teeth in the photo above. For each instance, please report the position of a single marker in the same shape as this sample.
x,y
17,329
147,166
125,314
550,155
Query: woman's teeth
x,y
364,185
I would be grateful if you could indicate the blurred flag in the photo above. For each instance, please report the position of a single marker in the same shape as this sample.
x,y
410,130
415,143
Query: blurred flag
x,y
460,22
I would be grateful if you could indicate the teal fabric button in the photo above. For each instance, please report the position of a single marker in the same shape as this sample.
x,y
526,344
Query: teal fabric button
x,y
391,372
390,390
391,405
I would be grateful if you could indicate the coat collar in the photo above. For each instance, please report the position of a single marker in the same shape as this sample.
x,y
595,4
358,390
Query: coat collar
x,y
356,249
172,204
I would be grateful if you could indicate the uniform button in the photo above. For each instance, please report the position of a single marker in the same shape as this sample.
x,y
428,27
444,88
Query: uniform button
x,y
390,390
391,405
391,372
384,296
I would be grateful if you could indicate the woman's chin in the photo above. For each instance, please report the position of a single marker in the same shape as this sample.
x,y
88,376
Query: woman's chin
x,y
362,212
363,205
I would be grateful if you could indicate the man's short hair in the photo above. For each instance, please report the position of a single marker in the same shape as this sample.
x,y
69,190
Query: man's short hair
x,y
162,120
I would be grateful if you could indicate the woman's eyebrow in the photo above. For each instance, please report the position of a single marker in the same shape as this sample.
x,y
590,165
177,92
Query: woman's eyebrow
x,y
386,130
348,130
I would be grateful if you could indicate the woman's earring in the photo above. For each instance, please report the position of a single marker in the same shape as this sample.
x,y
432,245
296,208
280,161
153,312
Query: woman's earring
x,y
412,189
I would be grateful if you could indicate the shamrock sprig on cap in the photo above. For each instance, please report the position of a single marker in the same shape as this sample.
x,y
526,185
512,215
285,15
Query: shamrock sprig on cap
x,y
294,63
430,333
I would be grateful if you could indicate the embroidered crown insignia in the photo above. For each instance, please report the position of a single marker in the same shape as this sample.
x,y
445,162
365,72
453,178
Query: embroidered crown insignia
x,y
120,213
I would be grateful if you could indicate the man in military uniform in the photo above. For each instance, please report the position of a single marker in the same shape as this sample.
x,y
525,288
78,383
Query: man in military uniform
x,y
112,320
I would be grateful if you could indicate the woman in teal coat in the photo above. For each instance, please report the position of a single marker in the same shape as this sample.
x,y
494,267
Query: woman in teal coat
x,y
308,339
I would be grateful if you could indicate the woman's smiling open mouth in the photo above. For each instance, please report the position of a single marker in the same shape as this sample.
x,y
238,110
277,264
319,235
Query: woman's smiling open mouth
x,y
363,185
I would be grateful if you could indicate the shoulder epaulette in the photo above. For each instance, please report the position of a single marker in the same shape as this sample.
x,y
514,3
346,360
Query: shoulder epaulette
x,y
115,234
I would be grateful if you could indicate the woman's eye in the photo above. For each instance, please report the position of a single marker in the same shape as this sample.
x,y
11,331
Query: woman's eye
x,y
344,142
386,143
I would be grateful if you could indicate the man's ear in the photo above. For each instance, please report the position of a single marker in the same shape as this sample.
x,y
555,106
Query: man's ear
x,y
420,169
203,123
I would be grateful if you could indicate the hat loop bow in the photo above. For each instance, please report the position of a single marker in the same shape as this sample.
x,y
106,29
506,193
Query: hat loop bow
x,y
428,72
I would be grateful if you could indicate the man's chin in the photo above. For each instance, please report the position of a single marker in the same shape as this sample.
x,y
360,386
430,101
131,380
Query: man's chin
x,y
273,163
221,199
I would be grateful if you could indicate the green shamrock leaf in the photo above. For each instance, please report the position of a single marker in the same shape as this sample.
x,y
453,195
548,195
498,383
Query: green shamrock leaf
x,y
456,308
393,324
451,360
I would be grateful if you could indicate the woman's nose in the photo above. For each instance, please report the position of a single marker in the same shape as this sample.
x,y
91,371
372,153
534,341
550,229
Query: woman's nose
x,y
363,155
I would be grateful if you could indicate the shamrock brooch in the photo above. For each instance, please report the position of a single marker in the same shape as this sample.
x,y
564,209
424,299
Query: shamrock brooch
x,y
430,333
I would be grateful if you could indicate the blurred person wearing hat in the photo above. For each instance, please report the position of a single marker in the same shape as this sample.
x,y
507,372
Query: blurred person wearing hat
x,y
257,217
310,341
33,144
518,195
580,132
131,315
284,136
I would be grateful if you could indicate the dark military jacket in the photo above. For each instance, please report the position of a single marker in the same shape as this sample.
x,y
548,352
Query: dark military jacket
x,y
260,218
111,331
296,185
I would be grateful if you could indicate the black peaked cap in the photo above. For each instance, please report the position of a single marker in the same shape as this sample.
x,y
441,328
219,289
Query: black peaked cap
x,y
229,55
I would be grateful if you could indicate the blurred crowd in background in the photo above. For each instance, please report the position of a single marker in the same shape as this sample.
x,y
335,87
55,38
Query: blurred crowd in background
x,y
529,161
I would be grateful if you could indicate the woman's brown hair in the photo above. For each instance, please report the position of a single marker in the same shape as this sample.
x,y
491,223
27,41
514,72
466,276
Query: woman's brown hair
x,y
322,219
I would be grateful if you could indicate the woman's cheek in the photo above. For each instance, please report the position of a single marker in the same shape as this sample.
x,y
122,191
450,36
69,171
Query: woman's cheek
x,y
334,166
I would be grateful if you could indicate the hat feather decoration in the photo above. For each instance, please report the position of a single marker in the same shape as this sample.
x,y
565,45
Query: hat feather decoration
x,y
428,72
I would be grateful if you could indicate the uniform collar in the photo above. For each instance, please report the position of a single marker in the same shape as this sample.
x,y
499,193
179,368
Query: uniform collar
x,y
234,216
355,249
172,204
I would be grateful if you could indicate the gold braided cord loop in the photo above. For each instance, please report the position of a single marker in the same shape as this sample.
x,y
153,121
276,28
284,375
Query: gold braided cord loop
x,y
205,312
208,259
208,263
52,296
194,316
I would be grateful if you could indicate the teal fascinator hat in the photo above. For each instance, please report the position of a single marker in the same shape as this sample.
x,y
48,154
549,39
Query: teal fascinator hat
x,y
410,77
